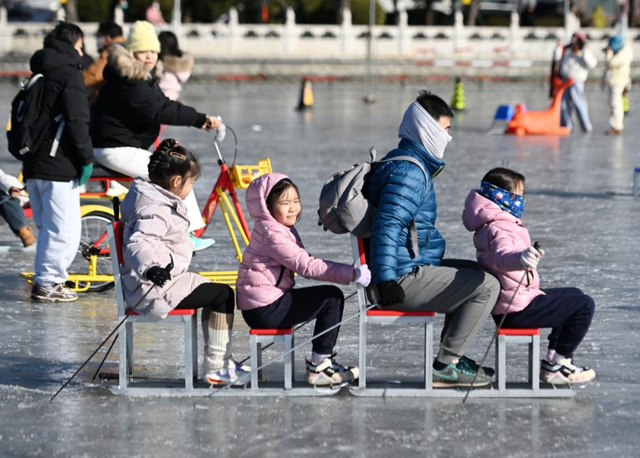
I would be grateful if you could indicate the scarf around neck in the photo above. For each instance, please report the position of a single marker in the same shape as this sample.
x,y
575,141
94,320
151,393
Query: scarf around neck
x,y
418,125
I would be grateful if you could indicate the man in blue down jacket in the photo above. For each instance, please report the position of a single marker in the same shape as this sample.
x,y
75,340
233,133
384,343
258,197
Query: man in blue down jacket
x,y
411,279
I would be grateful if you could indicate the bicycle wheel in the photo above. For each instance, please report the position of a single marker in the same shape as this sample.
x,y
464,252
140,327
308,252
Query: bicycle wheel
x,y
93,240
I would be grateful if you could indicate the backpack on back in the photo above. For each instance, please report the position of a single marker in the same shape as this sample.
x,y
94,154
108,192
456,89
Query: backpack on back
x,y
29,124
343,207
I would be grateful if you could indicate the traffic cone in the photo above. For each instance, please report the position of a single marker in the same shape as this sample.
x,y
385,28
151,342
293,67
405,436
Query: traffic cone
x,y
457,101
306,95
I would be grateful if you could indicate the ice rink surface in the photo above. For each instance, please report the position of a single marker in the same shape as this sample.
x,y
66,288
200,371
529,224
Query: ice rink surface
x,y
590,240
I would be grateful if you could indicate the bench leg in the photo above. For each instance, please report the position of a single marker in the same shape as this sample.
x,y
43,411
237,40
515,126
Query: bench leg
x,y
501,366
428,355
194,345
362,360
123,357
129,349
188,352
535,364
288,363
253,348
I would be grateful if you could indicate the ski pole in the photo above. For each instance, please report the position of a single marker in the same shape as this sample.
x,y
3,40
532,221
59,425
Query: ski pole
x,y
106,355
168,268
537,246
248,375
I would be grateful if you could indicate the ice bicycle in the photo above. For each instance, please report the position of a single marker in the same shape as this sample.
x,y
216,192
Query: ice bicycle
x,y
91,270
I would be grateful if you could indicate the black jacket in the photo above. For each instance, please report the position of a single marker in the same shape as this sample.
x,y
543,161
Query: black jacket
x,y
131,107
64,93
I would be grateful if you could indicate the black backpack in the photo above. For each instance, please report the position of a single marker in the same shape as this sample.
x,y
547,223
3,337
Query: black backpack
x,y
29,123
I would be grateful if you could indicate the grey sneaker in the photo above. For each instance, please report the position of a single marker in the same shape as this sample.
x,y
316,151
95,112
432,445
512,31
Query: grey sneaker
x,y
55,293
459,374
330,373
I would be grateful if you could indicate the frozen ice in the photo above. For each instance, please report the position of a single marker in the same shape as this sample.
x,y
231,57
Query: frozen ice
x,y
590,238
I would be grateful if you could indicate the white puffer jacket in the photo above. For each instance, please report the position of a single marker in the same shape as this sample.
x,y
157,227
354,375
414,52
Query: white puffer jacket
x,y
156,229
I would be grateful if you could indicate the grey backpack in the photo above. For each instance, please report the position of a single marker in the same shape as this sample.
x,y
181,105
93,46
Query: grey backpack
x,y
343,207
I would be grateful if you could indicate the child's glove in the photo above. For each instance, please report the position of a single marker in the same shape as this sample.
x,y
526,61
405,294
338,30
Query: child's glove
x,y
390,292
362,275
158,275
530,257
221,131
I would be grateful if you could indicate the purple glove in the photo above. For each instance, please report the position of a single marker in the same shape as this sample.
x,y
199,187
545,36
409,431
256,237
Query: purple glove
x,y
362,275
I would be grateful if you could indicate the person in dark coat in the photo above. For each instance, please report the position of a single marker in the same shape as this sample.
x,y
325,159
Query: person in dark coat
x,y
131,108
406,250
54,174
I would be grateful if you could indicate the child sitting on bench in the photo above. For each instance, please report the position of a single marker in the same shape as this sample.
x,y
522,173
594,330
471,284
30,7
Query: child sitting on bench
x,y
503,248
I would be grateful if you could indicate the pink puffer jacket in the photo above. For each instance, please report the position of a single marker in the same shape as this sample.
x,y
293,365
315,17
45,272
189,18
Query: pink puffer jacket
x,y
156,229
275,252
499,239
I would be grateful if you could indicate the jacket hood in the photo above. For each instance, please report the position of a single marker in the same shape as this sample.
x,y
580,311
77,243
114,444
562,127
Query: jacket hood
x,y
478,211
122,64
434,165
55,54
256,197
178,64
144,194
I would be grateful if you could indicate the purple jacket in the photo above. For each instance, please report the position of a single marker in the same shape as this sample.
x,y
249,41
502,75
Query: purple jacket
x,y
275,253
499,239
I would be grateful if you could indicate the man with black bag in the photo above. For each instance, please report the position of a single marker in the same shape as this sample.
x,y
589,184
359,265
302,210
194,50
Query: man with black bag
x,y
57,164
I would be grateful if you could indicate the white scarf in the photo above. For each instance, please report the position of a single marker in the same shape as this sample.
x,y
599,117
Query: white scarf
x,y
419,126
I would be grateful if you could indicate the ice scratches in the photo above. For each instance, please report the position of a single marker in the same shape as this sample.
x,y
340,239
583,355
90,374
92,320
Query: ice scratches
x,y
22,389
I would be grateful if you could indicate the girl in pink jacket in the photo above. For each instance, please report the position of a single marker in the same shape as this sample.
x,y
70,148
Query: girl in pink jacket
x,y
503,248
156,232
265,285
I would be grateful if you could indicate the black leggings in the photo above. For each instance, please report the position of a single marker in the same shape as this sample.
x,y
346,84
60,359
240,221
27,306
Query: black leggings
x,y
213,296
324,303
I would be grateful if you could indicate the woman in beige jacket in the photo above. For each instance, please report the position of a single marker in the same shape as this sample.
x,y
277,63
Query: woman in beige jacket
x,y
617,78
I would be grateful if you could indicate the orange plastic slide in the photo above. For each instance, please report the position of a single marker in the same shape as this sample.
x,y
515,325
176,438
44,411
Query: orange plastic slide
x,y
540,122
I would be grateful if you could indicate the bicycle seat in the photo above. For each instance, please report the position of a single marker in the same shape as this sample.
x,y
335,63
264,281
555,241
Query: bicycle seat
x,y
100,171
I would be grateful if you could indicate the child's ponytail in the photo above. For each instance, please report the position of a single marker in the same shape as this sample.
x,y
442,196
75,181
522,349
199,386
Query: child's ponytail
x,y
171,159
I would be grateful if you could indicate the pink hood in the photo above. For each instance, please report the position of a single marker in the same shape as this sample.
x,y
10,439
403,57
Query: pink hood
x,y
499,239
275,253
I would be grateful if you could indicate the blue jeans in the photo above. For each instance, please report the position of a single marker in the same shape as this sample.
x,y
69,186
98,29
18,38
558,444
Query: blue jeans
x,y
572,98
11,211
568,311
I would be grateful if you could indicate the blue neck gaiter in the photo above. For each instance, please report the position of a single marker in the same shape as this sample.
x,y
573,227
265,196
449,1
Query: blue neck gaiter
x,y
506,200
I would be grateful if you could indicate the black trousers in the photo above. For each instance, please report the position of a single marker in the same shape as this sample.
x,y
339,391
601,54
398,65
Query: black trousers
x,y
568,311
324,303
213,296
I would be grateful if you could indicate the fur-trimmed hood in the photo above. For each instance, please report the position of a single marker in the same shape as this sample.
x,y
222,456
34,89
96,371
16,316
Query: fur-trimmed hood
x,y
122,64
177,64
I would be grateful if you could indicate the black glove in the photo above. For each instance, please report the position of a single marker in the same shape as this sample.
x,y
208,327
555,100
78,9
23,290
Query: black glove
x,y
158,275
390,292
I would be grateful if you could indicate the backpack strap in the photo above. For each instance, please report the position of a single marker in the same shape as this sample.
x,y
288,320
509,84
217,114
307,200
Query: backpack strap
x,y
413,230
413,160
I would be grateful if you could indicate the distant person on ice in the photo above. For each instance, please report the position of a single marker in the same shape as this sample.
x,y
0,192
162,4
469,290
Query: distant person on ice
x,y
574,62
494,212
406,249
617,78
156,233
